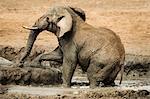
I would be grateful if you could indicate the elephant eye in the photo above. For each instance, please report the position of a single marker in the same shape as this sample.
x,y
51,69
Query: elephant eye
x,y
60,18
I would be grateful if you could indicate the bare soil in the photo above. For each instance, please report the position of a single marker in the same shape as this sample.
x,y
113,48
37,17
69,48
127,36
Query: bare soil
x,y
128,18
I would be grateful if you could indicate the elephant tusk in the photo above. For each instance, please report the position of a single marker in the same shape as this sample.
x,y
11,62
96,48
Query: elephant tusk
x,y
32,28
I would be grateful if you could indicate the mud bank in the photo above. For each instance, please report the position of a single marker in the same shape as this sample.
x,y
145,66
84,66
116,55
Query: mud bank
x,y
135,89
30,76
14,54
135,65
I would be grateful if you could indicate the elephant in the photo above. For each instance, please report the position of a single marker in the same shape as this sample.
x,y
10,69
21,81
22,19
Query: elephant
x,y
99,51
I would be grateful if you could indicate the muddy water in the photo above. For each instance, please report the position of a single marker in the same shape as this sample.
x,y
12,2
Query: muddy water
x,y
135,85
81,84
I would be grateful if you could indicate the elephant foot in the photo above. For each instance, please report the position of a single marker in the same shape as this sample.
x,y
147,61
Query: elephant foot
x,y
101,84
94,84
66,85
98,84
112,84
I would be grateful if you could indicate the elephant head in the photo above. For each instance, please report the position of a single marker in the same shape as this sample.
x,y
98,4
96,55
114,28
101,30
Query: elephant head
x,y
58,20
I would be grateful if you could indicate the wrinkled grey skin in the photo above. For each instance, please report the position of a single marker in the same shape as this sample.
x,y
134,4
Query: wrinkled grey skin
x,y
98,51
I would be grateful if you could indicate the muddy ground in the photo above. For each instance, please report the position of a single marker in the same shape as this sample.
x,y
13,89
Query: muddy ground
x,y
128,18
133,89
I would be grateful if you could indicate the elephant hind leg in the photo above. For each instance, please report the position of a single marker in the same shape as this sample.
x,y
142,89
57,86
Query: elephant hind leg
x,y
111,78
98,73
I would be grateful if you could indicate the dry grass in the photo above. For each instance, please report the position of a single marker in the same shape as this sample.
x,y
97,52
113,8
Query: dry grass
x,y
128,18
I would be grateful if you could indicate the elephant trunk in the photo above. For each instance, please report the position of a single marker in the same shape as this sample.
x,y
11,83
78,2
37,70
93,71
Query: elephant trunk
x,y
52,27
31,39
34,32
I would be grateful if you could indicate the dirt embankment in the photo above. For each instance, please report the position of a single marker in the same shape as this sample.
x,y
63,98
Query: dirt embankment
x,y
137,63
30,76
14,54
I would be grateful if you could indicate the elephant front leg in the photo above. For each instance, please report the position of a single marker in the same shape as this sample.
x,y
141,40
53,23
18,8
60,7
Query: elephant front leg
x,y
68,71
69,67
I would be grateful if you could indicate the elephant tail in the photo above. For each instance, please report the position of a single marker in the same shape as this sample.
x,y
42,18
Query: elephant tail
x,y
121,77
122,68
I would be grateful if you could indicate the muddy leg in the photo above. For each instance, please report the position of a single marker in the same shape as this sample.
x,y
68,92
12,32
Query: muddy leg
x,y
69,66
110,80
92,74
55,55
97,73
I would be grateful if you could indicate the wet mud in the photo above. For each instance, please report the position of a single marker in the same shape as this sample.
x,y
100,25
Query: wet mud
x,y
14,54
128,18
45,83
30,76
129,94
77,92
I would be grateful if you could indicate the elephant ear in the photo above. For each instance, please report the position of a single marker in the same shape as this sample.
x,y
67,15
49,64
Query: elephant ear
x,y
65,24
79,12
